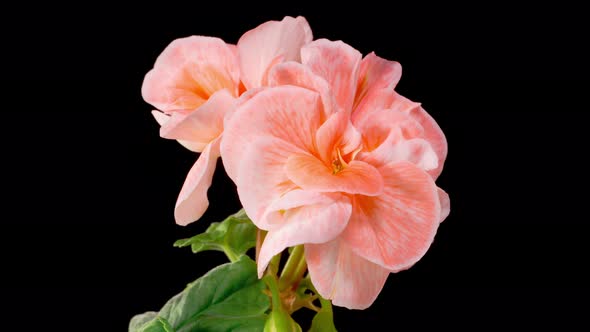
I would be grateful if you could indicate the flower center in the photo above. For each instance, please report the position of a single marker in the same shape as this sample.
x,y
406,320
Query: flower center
x,y
339,162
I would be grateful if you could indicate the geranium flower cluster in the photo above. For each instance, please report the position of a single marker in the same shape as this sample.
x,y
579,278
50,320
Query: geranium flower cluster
x,y
323,151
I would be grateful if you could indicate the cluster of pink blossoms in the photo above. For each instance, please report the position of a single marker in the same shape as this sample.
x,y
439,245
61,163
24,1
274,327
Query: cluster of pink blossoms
x,y
322,150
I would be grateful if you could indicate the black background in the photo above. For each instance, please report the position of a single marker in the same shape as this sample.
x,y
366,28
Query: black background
x,y
89,187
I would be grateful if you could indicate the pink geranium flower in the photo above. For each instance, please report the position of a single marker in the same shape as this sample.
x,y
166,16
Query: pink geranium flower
x,y
331,157
195,83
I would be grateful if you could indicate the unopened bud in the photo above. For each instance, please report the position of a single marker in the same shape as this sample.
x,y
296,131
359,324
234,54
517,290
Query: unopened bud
x,y
280,321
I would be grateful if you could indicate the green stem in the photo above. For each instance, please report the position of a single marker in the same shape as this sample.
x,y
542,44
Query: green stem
x,y
300,271
306,284
271,282
292,268
273,266
233,257
326,304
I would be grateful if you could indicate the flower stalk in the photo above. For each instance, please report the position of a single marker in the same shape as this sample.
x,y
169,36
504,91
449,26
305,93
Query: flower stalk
x,y
279,319
294,269
231,255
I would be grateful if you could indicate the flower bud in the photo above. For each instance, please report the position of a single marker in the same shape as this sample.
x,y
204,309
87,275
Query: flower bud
x,y
280,321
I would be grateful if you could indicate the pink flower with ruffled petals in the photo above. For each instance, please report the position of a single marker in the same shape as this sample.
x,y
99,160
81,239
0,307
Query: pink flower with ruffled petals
x,y
195,83
331,157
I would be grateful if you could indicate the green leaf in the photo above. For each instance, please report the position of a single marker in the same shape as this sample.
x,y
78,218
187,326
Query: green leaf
x,y
234,236
228,298
158,324
149,322
138,321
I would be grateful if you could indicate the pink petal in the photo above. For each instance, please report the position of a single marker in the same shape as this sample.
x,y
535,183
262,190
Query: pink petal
x,y
274,213
445,204
192,201
403,104
385,126
396,228
337,133
310,173
234,49
290,114
162,118
203,124
344,277
376,73
304,217
261,178
247,95
391,136
432,132
189,71
415,150
244,97
338,63
294,73
435,136
268,44
374,100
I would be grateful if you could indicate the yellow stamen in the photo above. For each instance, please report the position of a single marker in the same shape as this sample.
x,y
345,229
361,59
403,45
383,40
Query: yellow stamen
x,y
338,164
